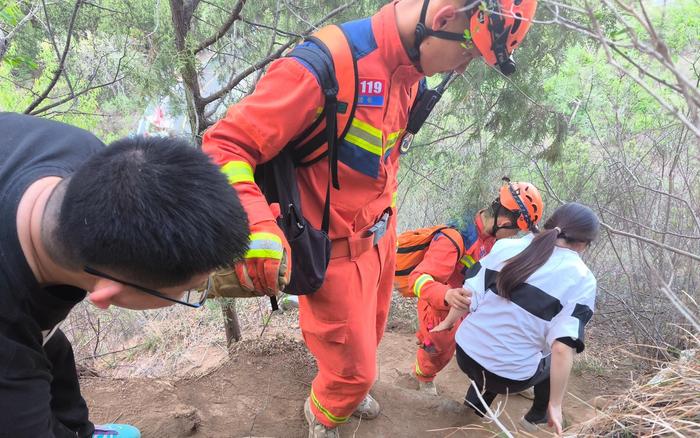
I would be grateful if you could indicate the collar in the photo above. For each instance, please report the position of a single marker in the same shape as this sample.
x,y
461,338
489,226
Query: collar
x,y
389,43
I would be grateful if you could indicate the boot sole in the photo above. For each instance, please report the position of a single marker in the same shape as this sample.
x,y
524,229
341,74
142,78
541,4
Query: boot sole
x,y
307,413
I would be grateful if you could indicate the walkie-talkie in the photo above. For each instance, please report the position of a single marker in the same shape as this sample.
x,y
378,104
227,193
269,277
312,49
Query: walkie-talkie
x,y
421,110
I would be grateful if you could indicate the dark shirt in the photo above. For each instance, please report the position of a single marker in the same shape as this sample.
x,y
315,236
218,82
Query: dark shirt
x,y
30,149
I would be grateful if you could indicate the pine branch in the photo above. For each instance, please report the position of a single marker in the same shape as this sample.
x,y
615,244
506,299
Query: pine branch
x,y
235,15
62,61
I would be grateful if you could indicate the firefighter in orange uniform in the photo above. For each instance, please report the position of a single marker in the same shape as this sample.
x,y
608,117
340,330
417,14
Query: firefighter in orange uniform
x,y
343,322
437,281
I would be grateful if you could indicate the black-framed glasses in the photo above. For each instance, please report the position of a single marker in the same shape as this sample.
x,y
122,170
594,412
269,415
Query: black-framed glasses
x,y
192,298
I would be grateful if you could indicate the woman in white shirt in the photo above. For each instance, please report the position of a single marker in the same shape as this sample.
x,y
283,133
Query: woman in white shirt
x,y
531,299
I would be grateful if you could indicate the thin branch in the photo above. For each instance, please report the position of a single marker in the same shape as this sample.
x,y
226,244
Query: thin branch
x,y
61,64
268,59
72,96
271,46
21,23
616,231
215,6
233,16
662,192
202,20
446,137
264,26
644,70
95,356
611,60
677,303
52,38
427,178
104,8
19,85
653,230
650,241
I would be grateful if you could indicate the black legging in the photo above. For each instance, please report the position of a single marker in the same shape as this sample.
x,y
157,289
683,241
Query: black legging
x,y
491,385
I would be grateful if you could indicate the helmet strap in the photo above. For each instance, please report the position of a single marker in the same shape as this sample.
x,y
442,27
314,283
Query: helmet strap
x,y
422,31
496,208
499,37
521,206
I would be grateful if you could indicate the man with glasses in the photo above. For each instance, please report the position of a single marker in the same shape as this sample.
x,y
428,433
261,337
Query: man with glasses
x,y
134,224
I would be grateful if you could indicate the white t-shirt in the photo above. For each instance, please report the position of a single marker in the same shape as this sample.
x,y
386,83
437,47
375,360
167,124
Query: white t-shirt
x,y
509,338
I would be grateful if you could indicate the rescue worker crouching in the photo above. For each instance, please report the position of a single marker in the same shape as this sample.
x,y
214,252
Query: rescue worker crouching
x,y
437,280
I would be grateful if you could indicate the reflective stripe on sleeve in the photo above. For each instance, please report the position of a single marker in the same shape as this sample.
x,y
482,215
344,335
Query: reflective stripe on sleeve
x,y
420,282
467,261
265,246
238,171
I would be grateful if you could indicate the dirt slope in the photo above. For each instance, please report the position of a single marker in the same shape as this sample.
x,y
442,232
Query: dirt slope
x,y
261,391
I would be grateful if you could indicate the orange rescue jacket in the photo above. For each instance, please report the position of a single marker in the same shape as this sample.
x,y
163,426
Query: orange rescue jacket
x,y
442,269
288,99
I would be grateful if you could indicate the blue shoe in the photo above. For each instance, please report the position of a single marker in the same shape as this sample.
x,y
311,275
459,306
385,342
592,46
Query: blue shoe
x,y
116,430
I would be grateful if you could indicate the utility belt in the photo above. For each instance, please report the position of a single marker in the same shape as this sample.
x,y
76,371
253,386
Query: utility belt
x,y
354,246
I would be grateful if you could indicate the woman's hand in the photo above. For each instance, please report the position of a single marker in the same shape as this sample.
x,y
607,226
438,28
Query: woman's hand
x,y
554,418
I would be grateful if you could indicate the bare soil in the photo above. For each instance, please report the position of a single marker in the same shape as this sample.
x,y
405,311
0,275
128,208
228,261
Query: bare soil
x,y
261,389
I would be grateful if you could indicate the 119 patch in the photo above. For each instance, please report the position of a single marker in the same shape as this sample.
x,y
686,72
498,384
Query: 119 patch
x,y
371,92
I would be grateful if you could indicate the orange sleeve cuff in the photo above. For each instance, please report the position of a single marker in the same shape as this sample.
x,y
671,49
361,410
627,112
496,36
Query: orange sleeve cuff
x,y
434,293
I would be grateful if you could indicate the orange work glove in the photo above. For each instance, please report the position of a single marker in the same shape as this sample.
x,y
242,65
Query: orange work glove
x,y
260,269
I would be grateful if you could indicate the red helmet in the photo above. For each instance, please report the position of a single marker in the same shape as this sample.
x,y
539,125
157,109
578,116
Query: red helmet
x,y
525,199
498,27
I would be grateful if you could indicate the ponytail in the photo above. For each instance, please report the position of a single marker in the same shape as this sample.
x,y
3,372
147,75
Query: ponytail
x,y
520,267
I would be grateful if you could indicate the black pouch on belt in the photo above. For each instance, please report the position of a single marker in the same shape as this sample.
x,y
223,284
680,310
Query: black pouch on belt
x,y
311,248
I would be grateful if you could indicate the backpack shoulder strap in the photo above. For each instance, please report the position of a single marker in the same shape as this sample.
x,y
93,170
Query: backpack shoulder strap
x,y
329,56
455,237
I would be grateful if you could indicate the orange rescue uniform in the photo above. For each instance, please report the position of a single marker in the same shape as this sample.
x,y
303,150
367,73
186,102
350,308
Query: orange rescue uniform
x,y
343,322
441,270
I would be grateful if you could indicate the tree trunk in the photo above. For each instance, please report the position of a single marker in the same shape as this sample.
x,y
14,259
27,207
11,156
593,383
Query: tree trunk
x,y
181,12
233,329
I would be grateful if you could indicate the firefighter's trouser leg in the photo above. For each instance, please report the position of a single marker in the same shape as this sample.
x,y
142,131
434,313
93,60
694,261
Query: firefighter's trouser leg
x,y
342,324
436,349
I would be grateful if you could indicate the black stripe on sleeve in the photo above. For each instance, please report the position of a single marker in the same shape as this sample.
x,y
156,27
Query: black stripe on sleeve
x,y
567,340
471,272
583,313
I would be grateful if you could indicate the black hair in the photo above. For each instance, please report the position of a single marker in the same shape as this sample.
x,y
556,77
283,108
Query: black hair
x,y
155,210
572,222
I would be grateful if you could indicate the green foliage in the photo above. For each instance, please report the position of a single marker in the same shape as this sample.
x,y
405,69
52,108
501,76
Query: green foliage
x,y
137,40
10,13
680,25
563,108
10,16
